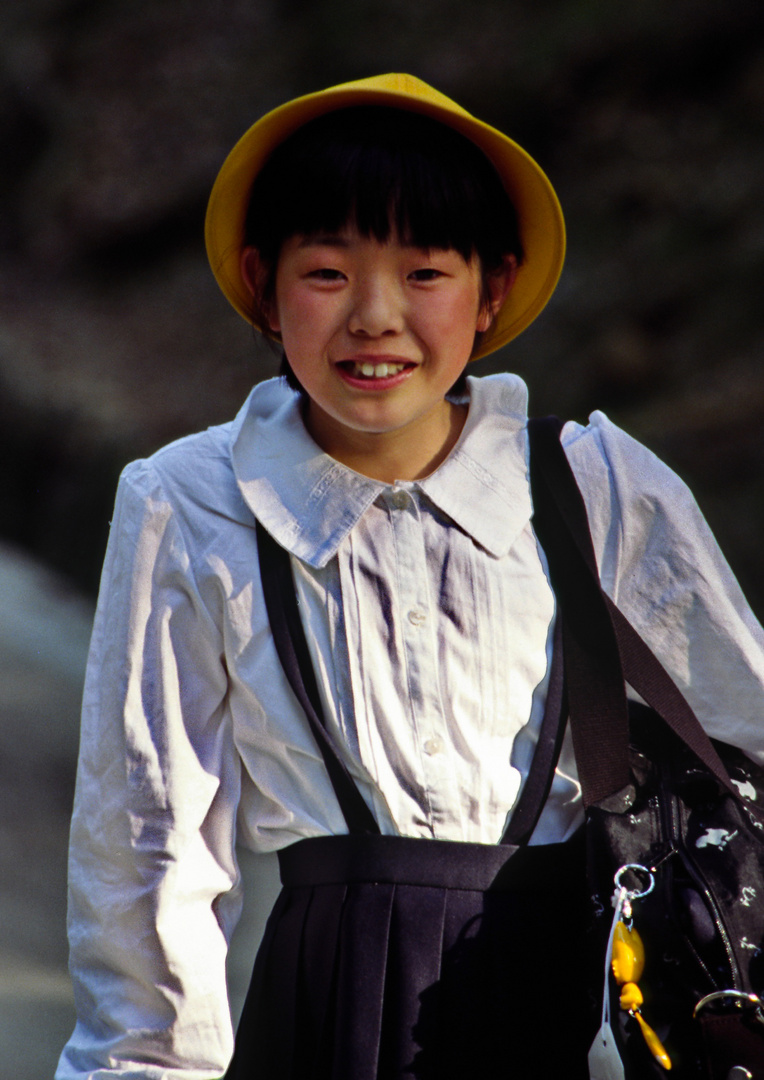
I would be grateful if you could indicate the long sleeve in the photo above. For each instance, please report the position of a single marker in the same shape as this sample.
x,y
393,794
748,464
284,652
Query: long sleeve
x,y
153,879
661,564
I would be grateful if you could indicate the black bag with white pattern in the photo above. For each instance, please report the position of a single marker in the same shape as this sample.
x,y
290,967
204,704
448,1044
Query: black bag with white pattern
x,y
658,793
703,924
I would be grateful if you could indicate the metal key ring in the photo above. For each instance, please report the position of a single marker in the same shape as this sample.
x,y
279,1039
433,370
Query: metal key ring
x,y
737,999
637,868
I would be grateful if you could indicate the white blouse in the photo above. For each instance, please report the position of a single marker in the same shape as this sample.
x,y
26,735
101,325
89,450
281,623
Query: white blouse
x,y
428,613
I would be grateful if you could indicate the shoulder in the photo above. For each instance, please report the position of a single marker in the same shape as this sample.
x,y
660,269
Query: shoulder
x,y
195,467
610,463
205,481
190,482
644,520
624,456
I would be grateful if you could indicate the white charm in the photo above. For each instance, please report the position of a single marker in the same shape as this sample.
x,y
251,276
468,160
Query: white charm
x,y
746,789
715,838
750,946
604,1060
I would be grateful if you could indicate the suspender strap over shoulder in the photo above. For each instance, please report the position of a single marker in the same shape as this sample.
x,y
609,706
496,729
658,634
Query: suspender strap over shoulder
x,y
538,782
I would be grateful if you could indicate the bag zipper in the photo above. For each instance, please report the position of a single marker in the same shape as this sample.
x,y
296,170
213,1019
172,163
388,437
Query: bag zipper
x,y
671,814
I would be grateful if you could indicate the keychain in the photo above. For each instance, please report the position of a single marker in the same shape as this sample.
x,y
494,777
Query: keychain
x,y
627,964
625,958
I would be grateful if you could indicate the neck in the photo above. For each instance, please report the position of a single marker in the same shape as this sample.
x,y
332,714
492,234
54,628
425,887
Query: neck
x,y
403,454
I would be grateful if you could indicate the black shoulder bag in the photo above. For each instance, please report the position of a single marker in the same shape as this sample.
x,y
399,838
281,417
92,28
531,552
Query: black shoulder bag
x,y
658,793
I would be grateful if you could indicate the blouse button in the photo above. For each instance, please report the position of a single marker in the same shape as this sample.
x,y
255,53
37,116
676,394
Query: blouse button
x,y
417,617
432,746
400,500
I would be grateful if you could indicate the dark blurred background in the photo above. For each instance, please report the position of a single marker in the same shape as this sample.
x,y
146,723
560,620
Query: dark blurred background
x,y
116,114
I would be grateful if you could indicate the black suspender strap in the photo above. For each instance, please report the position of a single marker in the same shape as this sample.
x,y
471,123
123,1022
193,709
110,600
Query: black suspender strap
x,y
535,790
292,648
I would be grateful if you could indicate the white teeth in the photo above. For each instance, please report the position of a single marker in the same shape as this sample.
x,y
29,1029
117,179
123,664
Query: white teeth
x,y
377,371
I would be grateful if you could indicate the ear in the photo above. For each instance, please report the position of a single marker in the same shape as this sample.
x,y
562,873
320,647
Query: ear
x,y
254,272
496,286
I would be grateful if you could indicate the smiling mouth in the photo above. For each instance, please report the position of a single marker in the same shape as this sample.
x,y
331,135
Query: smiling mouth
x,y
365,369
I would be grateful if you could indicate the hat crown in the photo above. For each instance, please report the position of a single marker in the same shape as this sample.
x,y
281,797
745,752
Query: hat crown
x,y
398,83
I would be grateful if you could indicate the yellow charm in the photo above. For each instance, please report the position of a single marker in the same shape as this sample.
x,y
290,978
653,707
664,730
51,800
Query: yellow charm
x,y
628,963
654,1044
628,960
631,997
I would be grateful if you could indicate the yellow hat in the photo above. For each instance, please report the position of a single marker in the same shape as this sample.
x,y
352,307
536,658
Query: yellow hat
x,y
542,229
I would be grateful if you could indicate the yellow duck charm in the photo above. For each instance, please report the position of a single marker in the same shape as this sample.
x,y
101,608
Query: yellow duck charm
x,y
627,964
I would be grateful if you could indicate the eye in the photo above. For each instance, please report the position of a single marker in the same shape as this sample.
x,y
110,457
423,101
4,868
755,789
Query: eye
x,y
326,273
426,273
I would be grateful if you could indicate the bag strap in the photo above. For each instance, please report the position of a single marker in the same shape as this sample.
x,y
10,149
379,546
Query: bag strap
x,y
602,648
596,694
292,648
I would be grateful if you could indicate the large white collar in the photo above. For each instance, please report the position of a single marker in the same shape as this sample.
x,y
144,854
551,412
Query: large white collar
x,y
309,502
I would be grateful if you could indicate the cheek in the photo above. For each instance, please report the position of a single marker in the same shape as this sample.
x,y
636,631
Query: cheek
x,y
305,316
468,300
459,318
291,315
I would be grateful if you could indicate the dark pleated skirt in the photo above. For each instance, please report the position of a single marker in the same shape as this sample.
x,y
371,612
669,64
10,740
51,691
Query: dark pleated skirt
x,y
390,957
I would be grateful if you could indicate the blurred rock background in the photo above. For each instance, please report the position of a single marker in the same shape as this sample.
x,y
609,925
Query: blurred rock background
x,y
114,117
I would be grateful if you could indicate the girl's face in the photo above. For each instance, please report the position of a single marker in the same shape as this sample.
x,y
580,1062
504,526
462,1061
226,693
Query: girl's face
x,y
376,333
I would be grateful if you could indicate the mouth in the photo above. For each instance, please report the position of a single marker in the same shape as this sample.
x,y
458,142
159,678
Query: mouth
x,y
377,372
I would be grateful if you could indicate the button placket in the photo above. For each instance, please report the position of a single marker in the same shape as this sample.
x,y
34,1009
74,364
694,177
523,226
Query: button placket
x,y
421,654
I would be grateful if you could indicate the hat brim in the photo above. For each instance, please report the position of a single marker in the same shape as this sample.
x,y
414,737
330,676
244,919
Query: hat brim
x,y
542,227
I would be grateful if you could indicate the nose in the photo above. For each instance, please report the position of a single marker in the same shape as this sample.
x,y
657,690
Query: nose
x,y
376,309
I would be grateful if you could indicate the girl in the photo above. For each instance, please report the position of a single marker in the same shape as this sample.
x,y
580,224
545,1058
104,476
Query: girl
x,y
376,732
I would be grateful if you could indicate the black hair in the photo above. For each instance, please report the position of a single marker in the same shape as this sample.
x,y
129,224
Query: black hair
x,y
383,171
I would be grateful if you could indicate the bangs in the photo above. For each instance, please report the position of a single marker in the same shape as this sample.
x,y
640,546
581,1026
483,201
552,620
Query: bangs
x,y
385,173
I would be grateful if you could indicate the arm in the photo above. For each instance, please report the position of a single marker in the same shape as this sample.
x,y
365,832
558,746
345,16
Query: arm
x,y
152,868
661,564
